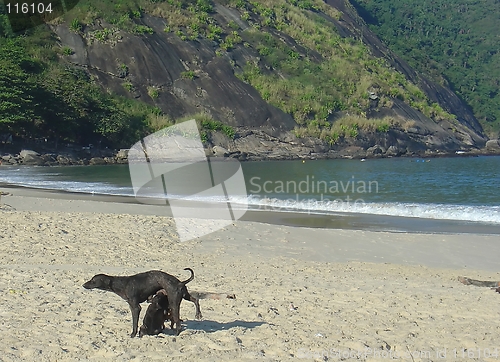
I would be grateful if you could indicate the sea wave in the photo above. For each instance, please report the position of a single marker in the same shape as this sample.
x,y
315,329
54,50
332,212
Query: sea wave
x,y
473,213
52,181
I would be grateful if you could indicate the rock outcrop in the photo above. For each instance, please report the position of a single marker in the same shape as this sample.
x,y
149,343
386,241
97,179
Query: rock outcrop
x,y
353,25
159,60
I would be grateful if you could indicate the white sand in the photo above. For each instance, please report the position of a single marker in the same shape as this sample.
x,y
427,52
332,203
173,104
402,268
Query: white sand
x,y
374,296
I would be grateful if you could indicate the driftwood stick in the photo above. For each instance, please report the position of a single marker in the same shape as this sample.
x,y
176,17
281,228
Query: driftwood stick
x,y
478,283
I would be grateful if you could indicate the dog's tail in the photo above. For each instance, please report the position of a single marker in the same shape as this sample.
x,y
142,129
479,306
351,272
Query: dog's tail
x,y
190,278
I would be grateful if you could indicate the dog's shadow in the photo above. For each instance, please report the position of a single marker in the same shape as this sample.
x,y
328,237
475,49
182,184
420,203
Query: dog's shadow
x,y
209,326
213,326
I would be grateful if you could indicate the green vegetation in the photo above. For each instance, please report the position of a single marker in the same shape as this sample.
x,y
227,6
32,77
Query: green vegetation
x,y
312,77
67,50
206,125
128,86
326,74
42,97
455,42
122,70
153,92
142,29
210,124
75,26
349,127
188,75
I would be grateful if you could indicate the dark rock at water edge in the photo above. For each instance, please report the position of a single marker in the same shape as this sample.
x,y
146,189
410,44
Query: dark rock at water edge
x,y
275,144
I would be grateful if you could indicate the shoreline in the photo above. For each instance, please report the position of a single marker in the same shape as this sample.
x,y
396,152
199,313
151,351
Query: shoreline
x,y
38,155
337,238
336,220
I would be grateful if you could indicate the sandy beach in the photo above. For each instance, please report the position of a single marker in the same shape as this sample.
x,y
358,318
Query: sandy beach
x,y
301,293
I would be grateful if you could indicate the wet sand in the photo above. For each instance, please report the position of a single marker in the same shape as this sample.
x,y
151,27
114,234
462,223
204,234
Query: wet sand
x,y
267,215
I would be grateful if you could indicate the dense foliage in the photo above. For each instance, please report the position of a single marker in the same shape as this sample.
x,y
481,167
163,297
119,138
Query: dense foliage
x,y
455,41
310,76
43,97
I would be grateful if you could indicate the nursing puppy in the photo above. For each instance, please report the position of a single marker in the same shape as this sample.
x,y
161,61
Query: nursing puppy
x,y
156,315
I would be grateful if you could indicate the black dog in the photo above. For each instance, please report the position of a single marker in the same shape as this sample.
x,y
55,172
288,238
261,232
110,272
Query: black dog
x,y
156,315
135,289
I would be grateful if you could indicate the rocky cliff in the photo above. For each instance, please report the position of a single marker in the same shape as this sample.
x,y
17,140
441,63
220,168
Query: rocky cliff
x,y
186,77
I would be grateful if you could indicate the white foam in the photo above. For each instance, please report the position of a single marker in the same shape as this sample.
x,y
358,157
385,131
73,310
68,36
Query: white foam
x,y
487,214
475,213
51,181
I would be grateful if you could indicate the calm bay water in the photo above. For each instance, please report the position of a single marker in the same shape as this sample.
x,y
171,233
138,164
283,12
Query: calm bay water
x,y
446,188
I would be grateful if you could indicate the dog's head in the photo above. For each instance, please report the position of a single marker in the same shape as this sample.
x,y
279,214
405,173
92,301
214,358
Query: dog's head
x,y
160,300
99,281
158,293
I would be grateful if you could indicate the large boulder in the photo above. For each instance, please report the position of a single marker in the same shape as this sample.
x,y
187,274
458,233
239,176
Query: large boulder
x,y
49,157
25,153
122,154
375,150
220,151
493,145
63,160
393,151
97,161
33,160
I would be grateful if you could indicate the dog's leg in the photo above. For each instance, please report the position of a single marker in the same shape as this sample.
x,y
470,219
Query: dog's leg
x,y
189,297
142,331
135,308
175,313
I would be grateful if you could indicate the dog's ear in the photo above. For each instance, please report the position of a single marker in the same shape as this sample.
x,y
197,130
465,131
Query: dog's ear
x,y
106,282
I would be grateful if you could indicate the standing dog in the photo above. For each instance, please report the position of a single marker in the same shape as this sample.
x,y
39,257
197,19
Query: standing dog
x,y
135,289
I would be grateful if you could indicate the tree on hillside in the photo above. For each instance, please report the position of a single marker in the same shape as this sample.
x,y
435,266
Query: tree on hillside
x,y
16,100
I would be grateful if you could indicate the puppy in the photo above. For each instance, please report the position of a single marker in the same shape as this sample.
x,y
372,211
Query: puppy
x,y
156,315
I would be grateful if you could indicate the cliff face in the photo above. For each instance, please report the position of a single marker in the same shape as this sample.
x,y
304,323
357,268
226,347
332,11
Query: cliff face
x,y
159,61
352,25
189,78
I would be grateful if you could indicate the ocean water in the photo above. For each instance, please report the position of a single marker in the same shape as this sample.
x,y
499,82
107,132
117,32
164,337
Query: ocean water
x,y
464,189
